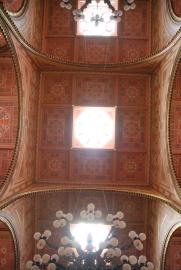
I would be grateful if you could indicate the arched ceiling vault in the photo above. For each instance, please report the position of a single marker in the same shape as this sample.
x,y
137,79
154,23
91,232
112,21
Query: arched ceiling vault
x,y
58,70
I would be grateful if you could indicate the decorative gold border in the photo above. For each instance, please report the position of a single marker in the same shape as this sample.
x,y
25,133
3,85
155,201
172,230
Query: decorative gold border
x,y
42,191
166,242
172,13
44,56
19,12
169,102
6,220
11,169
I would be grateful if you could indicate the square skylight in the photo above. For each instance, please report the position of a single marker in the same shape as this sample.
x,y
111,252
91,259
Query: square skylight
x,y
97,19
93,127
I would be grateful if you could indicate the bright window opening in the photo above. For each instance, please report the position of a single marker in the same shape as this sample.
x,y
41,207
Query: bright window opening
x,y
83,232
93,127
97,19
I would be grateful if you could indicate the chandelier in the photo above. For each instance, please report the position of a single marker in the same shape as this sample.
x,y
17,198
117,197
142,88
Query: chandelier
x,y
69,255
97,16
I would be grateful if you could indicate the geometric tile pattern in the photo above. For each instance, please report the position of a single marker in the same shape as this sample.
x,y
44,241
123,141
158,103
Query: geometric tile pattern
x,y
127,163
131,129
56,125
8,114
132,41
7,258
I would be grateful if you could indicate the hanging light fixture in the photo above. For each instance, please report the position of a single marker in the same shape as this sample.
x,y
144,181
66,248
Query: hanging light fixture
x,y
115,15
69,255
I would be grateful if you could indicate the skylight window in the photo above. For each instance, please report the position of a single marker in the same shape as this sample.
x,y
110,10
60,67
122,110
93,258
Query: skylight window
x,y
97,19
93,127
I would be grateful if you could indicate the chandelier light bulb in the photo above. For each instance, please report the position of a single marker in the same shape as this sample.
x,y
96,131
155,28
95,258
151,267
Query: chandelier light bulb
x,y
62,4
126,266
55,257
126,7
41,244
133,260
59,214
46,234
133,234
65,240
133,6
124,258
150,265
37,258
98,214
56,223
142,259
45,258
29,264
117,252
137,244
51,266
35,267
90,207
144,268
142,236
37,235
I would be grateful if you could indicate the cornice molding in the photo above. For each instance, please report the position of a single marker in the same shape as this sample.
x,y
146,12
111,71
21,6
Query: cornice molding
x,y
109,66
137,193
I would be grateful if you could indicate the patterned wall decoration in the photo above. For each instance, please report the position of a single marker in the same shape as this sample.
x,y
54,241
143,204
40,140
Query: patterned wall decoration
x,y
60,39
23,174
7,256
175,124
163,26
160,174
8,114
127,163
176,4
22,213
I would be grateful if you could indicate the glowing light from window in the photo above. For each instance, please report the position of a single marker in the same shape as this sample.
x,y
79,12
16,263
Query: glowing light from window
x,y
81,231
94,127
88,27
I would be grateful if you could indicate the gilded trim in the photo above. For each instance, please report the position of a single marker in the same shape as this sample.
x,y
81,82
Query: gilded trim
x,y
172,13
11,169
5,219
169,102
19,12
42,191
166,242
141,60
